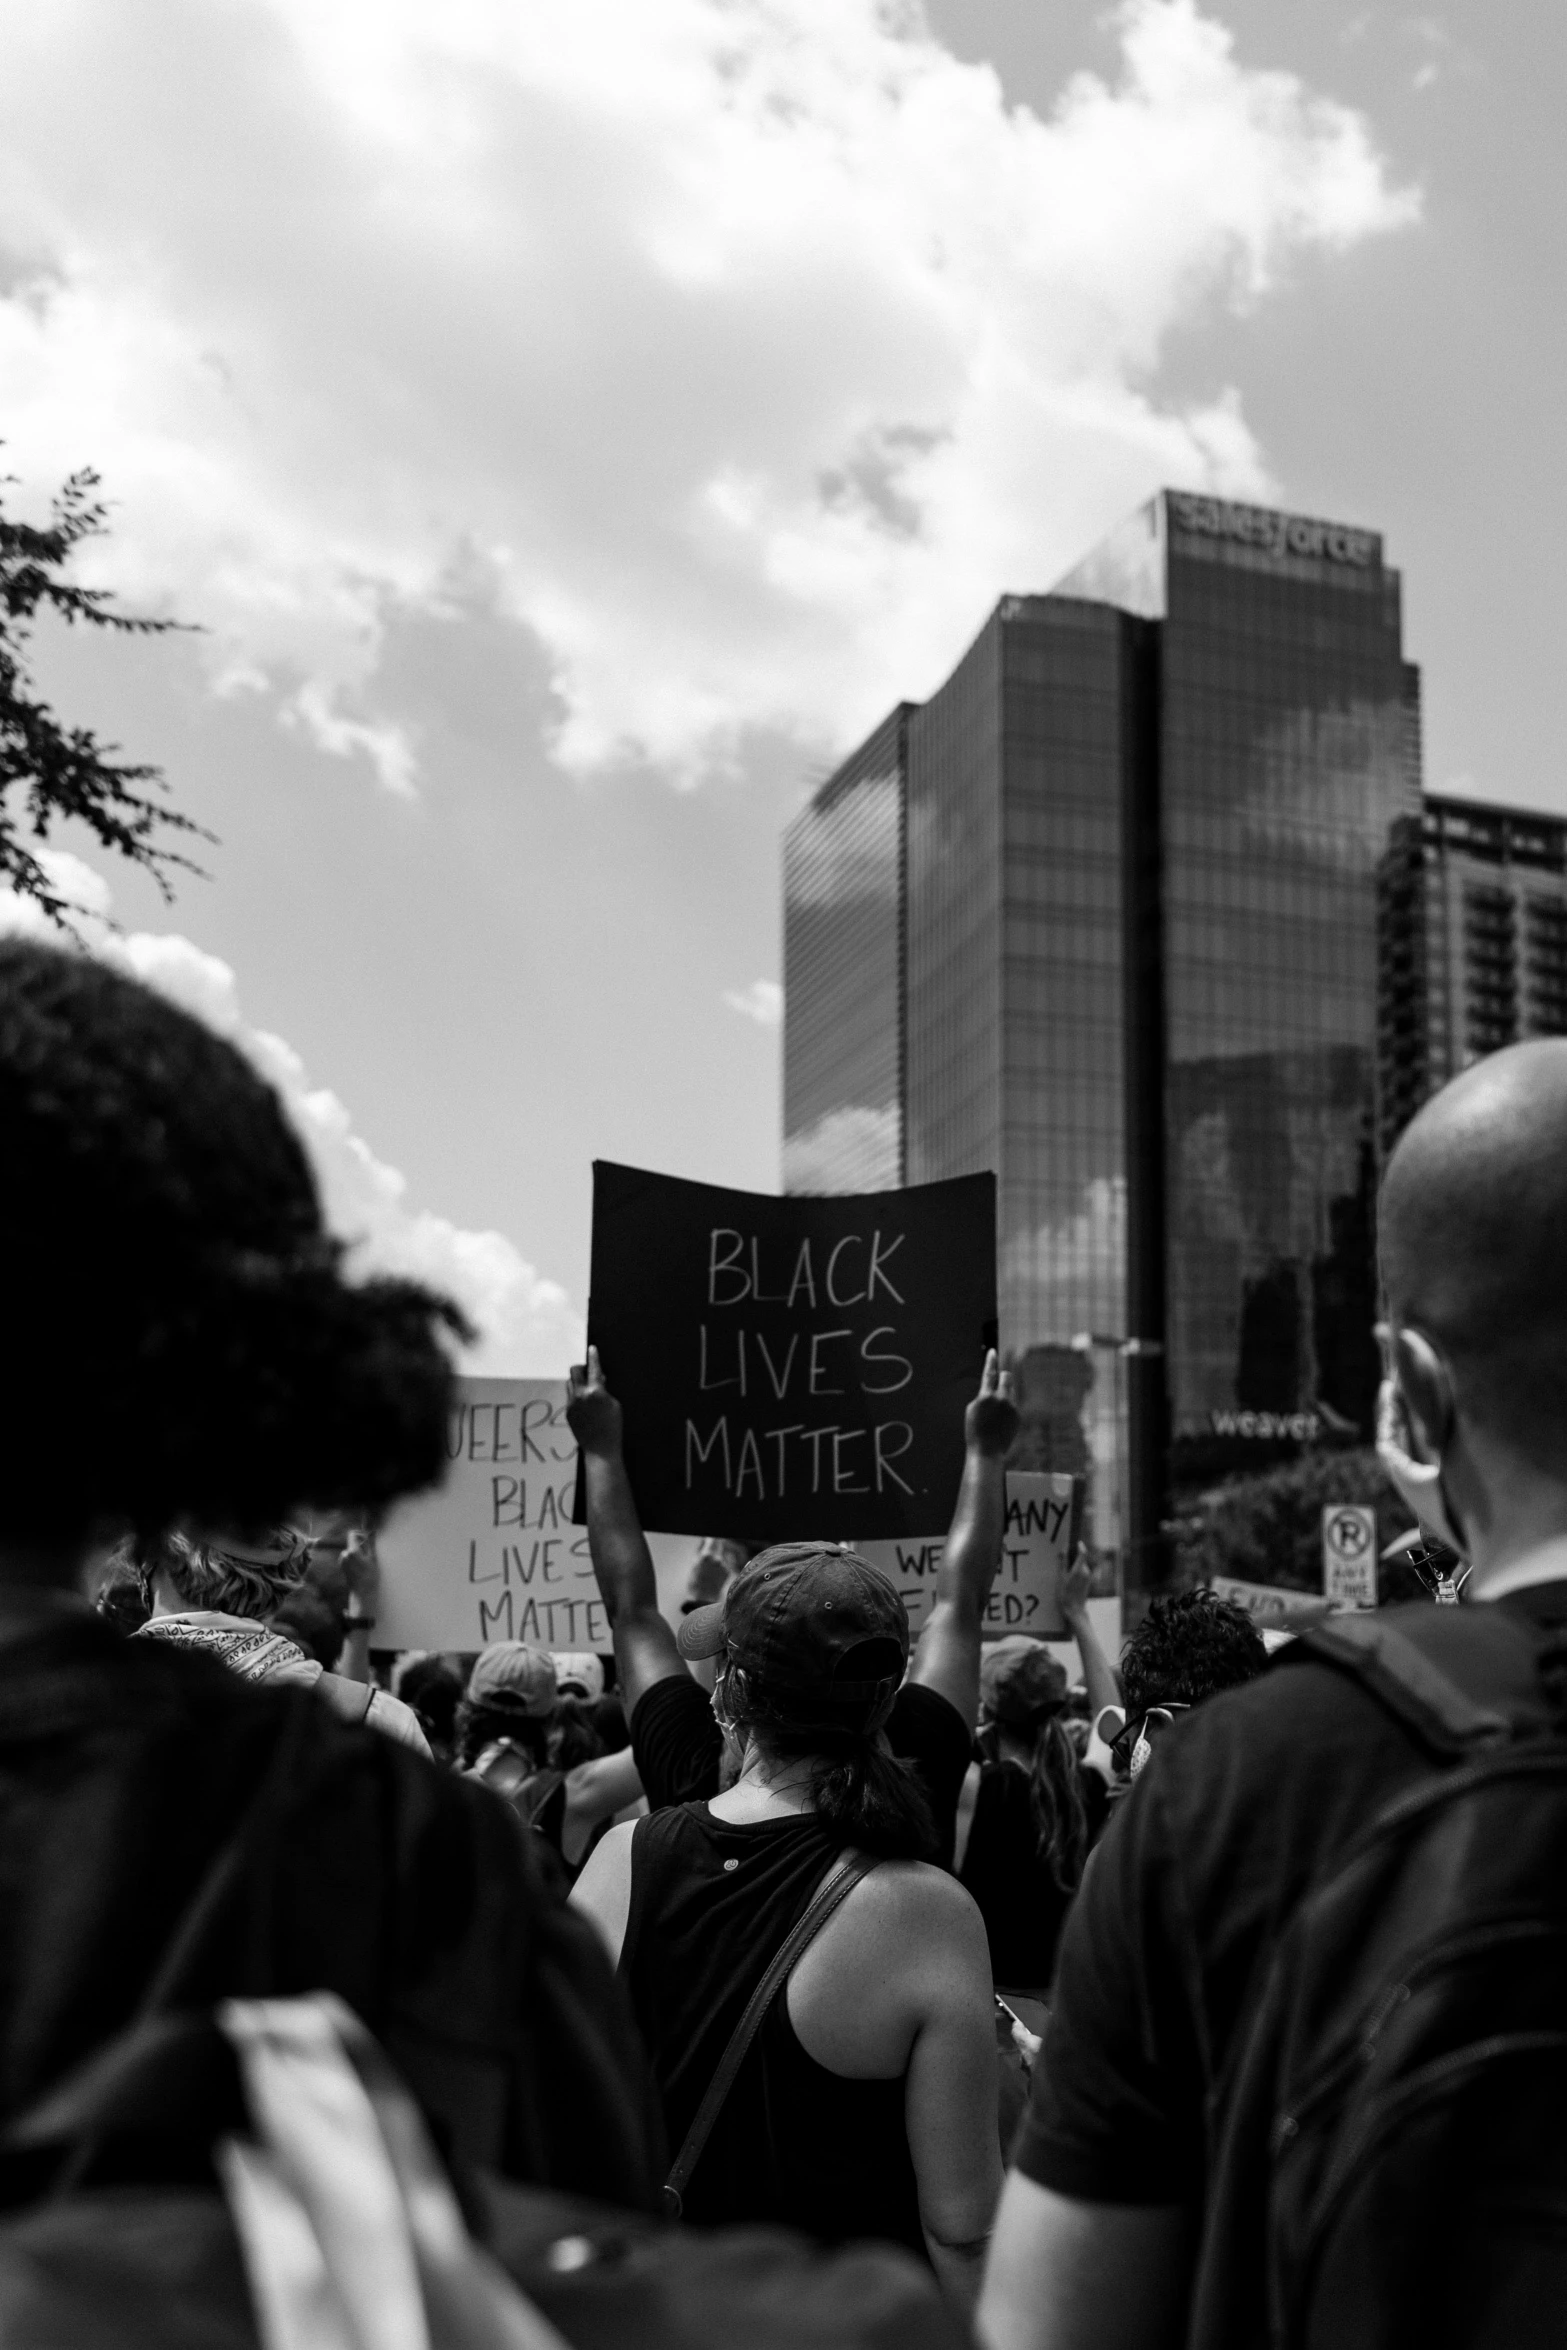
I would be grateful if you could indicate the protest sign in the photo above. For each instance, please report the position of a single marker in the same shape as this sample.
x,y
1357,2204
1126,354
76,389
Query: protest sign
x,y
1349,1553
1044,1516
1269,1603
492,1554
797,1367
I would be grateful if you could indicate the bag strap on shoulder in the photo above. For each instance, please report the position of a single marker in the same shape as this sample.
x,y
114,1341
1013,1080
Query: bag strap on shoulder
x,y
834,1888
1462,1681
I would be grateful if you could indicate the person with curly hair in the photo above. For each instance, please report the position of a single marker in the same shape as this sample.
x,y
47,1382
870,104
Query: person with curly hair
x,y
1190,1645
193,1358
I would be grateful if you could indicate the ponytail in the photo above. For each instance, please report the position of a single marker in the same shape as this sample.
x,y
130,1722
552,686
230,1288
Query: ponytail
x,y
860,1790
479,1725
871,1799
1055,1792
1056,1789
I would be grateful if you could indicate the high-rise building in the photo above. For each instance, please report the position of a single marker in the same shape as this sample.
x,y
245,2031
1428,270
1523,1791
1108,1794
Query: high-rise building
x,y
1474,943
1103,915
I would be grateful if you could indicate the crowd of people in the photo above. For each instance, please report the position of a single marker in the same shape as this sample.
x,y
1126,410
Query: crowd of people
x,y
1188,1995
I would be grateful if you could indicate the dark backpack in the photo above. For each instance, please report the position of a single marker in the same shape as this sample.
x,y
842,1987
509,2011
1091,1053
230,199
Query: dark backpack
x,y
1389,2150
144,2266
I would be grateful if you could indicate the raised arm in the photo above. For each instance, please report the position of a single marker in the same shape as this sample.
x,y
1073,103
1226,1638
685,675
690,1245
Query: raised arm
x,y
947,1657
645,1649
1099,1675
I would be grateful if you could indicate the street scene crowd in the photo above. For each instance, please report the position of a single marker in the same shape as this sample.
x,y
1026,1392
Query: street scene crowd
x,y
790,1979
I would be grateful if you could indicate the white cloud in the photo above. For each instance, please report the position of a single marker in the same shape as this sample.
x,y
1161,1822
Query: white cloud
x,y
1069,1275
748,348
852,1149
848,852
528,1325
762,1002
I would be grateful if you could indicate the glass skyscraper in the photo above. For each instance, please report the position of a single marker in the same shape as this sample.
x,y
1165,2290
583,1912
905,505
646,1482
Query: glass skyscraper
x,y
1473,943
1109,914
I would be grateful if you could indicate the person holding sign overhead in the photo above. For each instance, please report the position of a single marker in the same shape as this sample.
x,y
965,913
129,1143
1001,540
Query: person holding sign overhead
x,y
677,1743
815,1998
1034,1810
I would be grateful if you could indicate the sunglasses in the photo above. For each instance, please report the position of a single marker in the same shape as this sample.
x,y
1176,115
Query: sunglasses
x,y
1441,1570
1141,1732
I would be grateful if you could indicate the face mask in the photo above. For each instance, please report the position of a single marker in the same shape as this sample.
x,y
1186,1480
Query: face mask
x,y
732,1759
1419,1482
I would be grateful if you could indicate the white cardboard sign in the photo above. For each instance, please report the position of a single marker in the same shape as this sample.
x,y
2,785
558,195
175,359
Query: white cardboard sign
x,y
1044,1509
1269,1603
492,1554
1349,1553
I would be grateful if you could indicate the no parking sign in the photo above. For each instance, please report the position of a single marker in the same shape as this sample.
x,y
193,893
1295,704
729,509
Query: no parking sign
x,y
1349,1553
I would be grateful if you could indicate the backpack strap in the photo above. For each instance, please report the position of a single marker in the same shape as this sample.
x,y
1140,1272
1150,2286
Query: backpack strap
x,y
1463,1680
834,1888
350,1700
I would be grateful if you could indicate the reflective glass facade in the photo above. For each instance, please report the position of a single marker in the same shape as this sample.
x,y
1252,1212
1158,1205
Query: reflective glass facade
x,y
1473,941
1149,831
1023,780
1288,754
843,953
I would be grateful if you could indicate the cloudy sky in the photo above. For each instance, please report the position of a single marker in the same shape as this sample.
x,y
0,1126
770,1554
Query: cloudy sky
x,y
573,422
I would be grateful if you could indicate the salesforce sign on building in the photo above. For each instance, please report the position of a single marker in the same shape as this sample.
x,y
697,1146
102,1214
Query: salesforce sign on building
x,y
1269,532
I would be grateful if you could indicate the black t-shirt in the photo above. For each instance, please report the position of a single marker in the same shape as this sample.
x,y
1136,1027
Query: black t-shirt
x,y
1245,1800
678,1747
1023,1906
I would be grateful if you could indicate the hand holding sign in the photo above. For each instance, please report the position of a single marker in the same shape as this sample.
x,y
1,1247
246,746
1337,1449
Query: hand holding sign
x,y
991,1423
1073,1584
593,1415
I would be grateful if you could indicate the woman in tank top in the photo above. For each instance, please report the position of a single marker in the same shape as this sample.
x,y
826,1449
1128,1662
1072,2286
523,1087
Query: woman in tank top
x,y
866,2105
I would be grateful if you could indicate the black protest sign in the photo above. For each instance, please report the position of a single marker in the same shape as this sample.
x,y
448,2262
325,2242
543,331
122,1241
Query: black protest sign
x,y
793,1367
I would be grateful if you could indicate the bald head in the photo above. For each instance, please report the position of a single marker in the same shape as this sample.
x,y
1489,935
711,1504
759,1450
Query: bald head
x,y
1473,1226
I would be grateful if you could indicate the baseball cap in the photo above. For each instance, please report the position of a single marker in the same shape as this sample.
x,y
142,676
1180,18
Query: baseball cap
x,y
510,1673
1019,1680
800,1613
579,1673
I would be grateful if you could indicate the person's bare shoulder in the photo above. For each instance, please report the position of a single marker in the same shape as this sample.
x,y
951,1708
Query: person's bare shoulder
x,y
603,1891
913,1915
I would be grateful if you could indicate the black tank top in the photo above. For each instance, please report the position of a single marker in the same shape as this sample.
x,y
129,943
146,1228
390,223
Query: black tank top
x,y
1023,1907
795,2144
